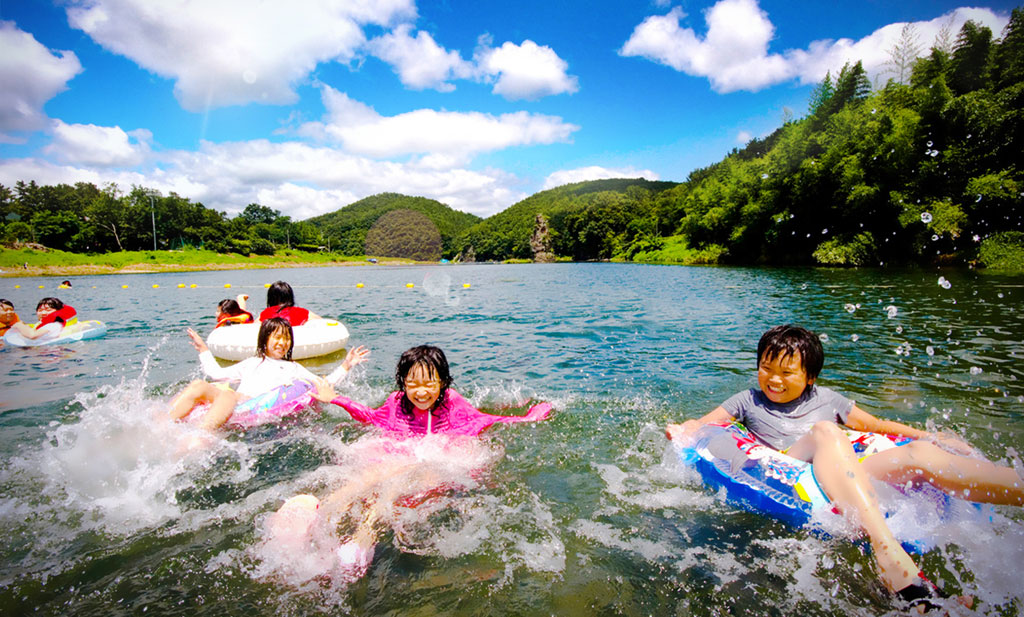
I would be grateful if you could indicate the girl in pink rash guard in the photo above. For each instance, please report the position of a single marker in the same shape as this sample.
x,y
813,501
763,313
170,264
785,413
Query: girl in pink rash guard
x,y
424,405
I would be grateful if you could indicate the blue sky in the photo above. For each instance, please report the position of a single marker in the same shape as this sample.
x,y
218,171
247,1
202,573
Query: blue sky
x,y
309,105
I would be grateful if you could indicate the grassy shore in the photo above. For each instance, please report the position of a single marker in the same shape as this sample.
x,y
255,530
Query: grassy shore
x,y
30,262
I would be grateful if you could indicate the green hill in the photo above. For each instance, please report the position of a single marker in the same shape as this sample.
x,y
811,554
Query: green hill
x,y
346,228
588,220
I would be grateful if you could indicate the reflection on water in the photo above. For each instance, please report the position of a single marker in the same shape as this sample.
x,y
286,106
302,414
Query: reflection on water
x,y
103,511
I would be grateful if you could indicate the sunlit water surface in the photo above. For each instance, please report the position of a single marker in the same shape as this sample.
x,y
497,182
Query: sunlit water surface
x,y
102,512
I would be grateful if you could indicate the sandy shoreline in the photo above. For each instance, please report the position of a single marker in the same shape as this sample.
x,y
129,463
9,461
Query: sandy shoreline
x,y
90,270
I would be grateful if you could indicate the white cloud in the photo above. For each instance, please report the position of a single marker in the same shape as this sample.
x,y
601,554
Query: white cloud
x,y
527,71
421,63
594,172
872,50
298,179
360,129
733,55
233,52
743,137
30,75
99,146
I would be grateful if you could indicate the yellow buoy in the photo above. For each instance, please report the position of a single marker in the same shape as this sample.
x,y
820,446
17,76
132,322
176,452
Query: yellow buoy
x,y
40,287
181,285
466,285
124,287
155,286
192,286
227,285
266,284
359,285
410,285
17,286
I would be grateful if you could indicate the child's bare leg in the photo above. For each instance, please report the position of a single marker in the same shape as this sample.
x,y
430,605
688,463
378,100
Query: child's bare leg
x,y
848,485
974,479
221,408
193,393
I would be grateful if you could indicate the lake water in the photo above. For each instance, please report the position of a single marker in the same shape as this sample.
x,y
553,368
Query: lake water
x,y
588,513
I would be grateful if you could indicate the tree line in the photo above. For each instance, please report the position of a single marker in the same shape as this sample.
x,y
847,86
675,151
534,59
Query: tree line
x,y
85,218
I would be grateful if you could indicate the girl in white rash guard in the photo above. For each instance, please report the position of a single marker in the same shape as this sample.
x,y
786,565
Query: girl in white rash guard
x,y
270,368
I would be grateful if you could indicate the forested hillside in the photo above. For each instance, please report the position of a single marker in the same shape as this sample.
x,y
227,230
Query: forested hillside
x,y
589,220
925,169
346,229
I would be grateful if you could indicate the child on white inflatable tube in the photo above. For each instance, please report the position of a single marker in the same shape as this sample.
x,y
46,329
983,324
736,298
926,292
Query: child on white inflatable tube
x,y
270,368
788,412
53,315
424,404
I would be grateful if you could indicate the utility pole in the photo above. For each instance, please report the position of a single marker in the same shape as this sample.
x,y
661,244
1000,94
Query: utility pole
x,y
152,213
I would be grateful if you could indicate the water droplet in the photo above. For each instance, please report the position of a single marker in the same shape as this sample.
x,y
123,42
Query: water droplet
x,y
978,199
824,231
854,338
891,311
976,370
1000,294
850,308
873,111
804,286
929,144
976,238
935,237
899,329
943,283
764,176
823,337
926,217
929,350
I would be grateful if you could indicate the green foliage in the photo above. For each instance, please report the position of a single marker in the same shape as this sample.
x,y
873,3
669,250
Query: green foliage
x,y
346,228
587,220
404,233
858,250
1003,251
676,250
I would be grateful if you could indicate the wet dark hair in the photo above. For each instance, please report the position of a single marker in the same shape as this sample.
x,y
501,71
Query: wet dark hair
x,y
270,326
280,294
230,307
53,303
436,363
6,302
784,341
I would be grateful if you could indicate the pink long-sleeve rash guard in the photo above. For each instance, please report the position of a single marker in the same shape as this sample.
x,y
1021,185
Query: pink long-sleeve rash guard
x,y
454,417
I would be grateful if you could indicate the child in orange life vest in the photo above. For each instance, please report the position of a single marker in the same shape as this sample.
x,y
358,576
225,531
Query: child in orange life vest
x,y
270,368
789,412
230,312
281,303
53,315
7,316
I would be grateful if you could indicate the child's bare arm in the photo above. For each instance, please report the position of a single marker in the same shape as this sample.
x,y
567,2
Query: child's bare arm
x,y
684,429
860,420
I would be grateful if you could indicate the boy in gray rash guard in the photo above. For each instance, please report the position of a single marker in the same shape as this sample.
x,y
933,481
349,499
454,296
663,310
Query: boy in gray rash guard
x,y
788,412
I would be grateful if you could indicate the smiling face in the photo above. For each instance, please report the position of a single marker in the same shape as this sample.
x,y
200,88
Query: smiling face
x,y
278,344
43,311
422,387
783,378
6,313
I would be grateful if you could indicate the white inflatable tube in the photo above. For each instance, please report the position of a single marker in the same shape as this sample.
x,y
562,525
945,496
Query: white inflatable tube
x,y
78,331
316,337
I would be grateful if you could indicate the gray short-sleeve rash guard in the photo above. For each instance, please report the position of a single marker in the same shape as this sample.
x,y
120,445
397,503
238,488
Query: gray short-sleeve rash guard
x,y
779,426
